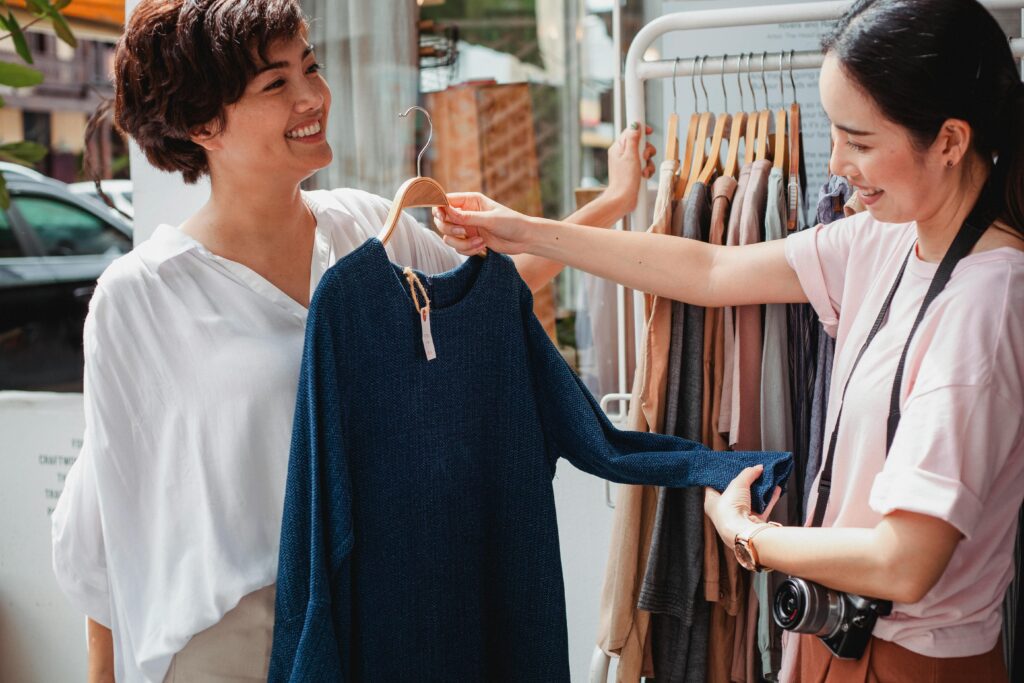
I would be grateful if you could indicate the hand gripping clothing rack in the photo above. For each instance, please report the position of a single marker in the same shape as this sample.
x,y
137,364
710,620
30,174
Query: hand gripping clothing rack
x,y
639,71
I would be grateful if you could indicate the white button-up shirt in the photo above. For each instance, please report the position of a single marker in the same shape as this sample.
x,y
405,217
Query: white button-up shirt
x,y
172,512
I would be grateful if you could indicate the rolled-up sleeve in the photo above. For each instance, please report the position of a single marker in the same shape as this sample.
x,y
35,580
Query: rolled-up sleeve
x,y
951,447
819,256
78,549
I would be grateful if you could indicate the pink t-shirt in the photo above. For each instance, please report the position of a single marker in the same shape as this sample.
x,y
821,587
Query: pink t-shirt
x,y
958,454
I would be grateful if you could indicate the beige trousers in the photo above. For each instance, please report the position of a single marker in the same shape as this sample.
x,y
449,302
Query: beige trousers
x,y
234,650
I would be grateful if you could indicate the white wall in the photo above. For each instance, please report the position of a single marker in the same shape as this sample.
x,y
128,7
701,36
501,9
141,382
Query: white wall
x,y
41,637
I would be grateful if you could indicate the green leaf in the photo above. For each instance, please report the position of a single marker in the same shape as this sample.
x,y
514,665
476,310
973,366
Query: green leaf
x,y
18,76
5,199
61,4
18,37
42,7
24,152
62,29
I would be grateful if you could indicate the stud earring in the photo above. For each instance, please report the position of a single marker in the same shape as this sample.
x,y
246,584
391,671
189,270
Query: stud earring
x,y
949,163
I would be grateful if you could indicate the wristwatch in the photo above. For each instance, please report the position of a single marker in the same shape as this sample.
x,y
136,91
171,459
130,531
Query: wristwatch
x,y
743,546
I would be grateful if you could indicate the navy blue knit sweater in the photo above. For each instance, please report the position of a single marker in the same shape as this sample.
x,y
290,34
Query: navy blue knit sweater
x,y
419,539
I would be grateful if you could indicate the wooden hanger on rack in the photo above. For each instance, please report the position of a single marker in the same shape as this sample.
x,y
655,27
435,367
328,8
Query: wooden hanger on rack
x,y
701,143
414,192
793,186
750,138
691,138
780,147
737,129
713,165
763,120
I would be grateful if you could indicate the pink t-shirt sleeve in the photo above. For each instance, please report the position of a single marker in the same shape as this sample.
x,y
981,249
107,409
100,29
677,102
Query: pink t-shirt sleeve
x,y
819,257
958,444
951,446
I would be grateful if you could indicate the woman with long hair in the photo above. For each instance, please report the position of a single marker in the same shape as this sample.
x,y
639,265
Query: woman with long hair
x,y
927,113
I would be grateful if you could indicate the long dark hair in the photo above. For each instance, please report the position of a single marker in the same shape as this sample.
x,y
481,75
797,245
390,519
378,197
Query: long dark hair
x,y
926,61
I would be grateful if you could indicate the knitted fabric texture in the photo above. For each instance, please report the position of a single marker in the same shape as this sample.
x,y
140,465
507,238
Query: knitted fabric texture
x,y
419,539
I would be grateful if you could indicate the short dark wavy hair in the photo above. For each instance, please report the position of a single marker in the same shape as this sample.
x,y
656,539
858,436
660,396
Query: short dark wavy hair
x,y
181,62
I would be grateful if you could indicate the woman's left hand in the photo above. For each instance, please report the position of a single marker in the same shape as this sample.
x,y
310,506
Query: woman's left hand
x,y
730,510
626,167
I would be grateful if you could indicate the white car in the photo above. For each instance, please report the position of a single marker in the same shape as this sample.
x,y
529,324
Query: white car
x,y
119,191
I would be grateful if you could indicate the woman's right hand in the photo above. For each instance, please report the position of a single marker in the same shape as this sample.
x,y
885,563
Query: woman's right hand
x,y
473,221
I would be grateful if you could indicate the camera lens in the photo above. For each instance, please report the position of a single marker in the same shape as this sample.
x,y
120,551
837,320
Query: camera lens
x,y
789,607
806,607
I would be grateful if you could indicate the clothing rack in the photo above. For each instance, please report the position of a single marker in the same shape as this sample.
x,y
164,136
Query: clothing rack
x,y
639,70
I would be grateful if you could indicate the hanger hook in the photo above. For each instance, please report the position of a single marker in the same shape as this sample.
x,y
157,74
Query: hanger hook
x,y
782,87
430,135
750,79
693,84
725,95
764,83
739,84
675,74
707,100
792,82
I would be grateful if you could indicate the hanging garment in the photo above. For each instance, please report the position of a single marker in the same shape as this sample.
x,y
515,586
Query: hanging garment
x,y
834,201
745,425
723,191
419,538
671,590
776,428
725,584
622,628
161,547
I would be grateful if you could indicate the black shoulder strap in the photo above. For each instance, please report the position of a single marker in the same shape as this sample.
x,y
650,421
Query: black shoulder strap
x,y
974,227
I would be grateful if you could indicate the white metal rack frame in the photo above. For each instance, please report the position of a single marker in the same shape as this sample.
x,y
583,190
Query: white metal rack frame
x,y
639,71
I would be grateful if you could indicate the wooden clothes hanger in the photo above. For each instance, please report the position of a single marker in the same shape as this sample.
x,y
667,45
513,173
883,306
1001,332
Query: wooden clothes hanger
x,y
713,165
737,129
701,143
691,139
781,147
763,119
793,186
750,137
414,192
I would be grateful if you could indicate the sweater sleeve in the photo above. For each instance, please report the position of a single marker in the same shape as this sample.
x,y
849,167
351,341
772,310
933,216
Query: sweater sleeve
x,y
312,601
577,429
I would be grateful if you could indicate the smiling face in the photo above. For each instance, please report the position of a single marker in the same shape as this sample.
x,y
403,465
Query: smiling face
x,y
278,127
897,180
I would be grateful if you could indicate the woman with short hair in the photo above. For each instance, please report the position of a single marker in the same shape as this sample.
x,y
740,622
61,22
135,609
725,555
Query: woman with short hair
x,y
167,532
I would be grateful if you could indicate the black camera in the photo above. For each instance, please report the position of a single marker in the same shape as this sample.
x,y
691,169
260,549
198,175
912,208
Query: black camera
x,y
843,621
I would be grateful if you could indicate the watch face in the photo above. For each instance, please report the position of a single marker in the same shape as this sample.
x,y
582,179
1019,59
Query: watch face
x,y
744,557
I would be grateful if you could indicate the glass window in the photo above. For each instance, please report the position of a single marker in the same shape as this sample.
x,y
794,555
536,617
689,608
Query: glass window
x,y
9,247
66,230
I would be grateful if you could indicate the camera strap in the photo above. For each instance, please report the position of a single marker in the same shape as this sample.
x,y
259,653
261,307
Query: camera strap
x,y
974,226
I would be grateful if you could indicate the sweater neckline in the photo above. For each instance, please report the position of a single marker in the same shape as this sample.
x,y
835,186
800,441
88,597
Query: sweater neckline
x,y
448,291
